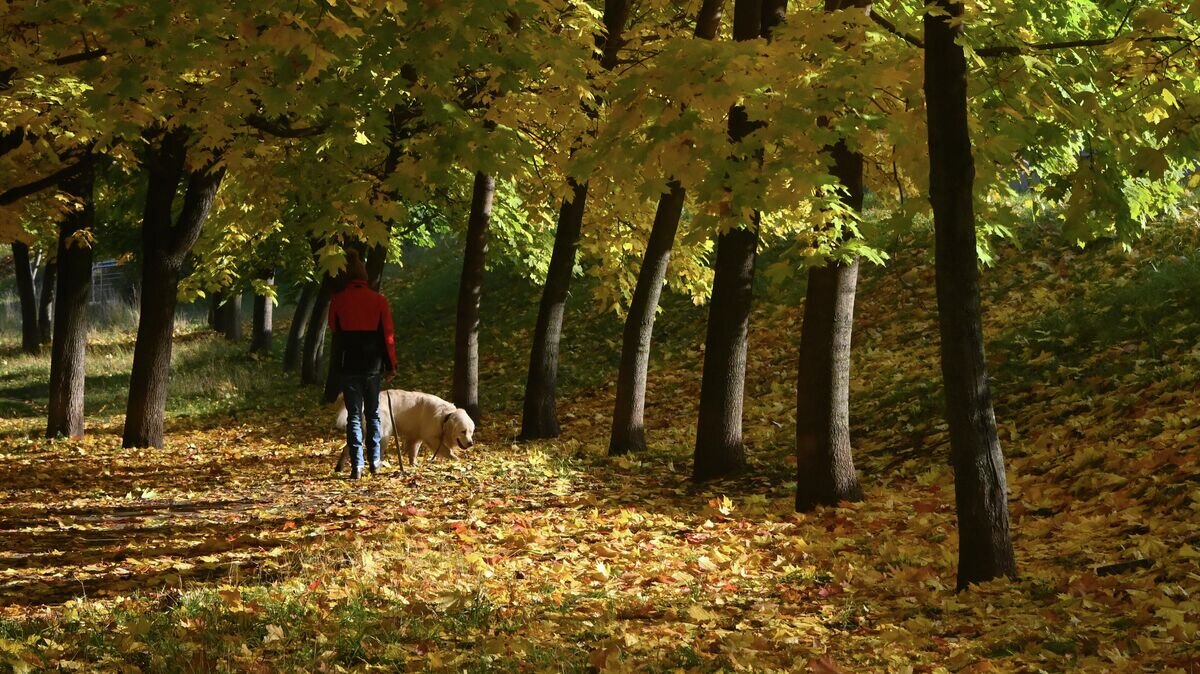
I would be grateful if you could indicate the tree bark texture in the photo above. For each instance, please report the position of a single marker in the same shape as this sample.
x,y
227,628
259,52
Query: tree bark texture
x,y
230,317
376,259
985,545
824,460
628,427
262,324
72,291
294,348
46,302
540,417
166,242
470,290
719,451
628,430
314,335
27,297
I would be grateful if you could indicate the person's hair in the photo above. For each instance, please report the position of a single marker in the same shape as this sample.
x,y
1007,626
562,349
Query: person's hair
x,y
355,269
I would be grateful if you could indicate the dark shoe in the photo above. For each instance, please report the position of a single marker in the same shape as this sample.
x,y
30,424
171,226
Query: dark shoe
x,y
356,473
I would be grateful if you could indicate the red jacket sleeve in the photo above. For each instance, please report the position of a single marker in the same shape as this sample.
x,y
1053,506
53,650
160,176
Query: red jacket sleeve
x,y
333,304
389,336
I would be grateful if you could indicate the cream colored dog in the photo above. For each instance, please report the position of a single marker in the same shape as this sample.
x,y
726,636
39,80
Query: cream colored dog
x,y
417,419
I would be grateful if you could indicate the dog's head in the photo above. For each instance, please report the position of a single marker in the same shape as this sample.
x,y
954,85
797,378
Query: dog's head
x,y
458,431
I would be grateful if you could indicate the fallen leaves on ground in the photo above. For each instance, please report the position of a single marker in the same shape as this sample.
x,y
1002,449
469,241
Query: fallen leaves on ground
x,y
235,546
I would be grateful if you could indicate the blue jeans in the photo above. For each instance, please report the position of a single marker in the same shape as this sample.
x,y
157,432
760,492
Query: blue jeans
x,y
361,393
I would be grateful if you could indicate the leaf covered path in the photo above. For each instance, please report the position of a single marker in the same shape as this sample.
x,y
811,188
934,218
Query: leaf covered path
x,y
236,549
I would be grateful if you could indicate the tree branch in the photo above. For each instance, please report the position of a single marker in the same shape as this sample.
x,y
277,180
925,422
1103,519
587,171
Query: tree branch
x,y
1015,50
281,129
19,192
86,55
891,28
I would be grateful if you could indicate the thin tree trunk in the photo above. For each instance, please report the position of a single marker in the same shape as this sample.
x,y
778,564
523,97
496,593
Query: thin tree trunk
x,y
216,300
314,335
333,373
293,350
540,418
376,261
72,291
628,432
165,246
46,302
719,451
985,546
628,428
27,296
264,309
230,317
470,289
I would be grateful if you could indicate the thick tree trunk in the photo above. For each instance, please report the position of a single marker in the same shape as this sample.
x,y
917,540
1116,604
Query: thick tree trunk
x,y
27,296
165,246
985,546
264,309
72,291
470,290
46,302
540,418
824,463
719,451
628,432
294,348
230,317
147,403
314,335
824,460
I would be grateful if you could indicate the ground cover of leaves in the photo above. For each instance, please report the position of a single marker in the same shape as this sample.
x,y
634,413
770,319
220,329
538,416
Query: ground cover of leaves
x,y
236,549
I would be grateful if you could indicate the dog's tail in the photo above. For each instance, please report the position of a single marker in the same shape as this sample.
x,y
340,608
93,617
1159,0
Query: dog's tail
x,y
339,422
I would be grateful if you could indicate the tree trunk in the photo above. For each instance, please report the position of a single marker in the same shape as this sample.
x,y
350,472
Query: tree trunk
x,y
72,291
985,547
540,418
230,315
824,460
376,260
824,463
46,302
165,246
264,308
470,289
295,341
628,429
314,335
719,451
215,303
147,403
333,374
628,433
27,296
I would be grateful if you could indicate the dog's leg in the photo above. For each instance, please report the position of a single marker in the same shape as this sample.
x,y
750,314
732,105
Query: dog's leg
x,y
413,447
342,459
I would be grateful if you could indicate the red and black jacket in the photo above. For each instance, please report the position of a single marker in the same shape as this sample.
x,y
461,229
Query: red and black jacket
x,y
362,324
